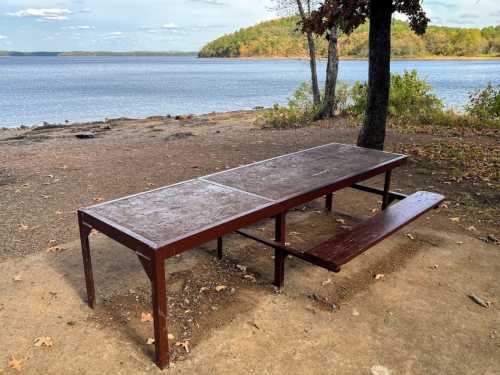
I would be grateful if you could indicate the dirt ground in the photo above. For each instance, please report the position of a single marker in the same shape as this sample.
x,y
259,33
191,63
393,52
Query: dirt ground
x,y
403,307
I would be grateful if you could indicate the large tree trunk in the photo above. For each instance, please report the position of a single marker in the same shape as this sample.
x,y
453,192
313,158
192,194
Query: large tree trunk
x,y
332,69
312,58
372,134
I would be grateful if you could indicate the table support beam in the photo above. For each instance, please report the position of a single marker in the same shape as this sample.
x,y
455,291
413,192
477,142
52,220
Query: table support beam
x,y
387,185
159,297
280,254
329,202
85,230
219,248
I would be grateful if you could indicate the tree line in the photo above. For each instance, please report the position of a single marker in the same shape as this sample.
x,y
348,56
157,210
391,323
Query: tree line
x,y
282,38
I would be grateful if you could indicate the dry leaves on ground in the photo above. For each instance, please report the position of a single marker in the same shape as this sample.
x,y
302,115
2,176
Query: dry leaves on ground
x,y
44,341
184,344
146,317
15,364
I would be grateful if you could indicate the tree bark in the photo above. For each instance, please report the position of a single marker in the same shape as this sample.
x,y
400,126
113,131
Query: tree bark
x,y
332,69
372,134
312,59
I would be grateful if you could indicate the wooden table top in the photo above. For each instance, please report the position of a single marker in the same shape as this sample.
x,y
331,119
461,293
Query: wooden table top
x,y
164,217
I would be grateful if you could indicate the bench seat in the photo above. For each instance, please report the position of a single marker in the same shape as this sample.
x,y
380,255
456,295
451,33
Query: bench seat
x,y
345,246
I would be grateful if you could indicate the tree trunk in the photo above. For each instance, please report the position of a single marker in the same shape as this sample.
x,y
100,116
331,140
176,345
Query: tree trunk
x,y
332,69
372,134
312,59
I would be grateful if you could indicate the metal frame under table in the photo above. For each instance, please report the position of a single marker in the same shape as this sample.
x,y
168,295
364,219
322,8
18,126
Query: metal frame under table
x,y
161,223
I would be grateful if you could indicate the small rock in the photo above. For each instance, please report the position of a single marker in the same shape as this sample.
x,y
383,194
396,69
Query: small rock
x,y
490,238
85,135
355,312
380,370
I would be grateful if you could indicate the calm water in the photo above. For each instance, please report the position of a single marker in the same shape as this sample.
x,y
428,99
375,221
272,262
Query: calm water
x,y
36,89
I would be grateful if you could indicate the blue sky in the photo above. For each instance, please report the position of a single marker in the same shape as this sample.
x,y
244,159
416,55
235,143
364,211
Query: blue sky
x,y
161,25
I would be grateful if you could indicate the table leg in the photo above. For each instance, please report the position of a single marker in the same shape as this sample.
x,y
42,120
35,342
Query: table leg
x,y
159,293
387,186
280,255
87,261
219,247
329,202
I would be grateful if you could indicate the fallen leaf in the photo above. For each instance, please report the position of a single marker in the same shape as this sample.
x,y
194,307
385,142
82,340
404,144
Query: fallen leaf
x,y
17,278
150,341
44,341
184,344
220,287
455,219
203,288
379,276
443,205
251,278
170,336
98,199
410,236
23,227
146,317
341,221
55,249
15,364
374,210
480,301
460,242
355,312
472,228
326,282
241,268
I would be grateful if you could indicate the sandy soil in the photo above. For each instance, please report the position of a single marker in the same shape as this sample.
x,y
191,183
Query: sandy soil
x,y
417,318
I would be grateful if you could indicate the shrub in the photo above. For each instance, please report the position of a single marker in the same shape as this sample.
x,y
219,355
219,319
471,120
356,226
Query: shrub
x,y
299,112
485,104
410,98
342,97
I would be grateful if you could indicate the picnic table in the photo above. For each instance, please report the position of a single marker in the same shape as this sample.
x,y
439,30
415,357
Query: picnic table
x,y
161,223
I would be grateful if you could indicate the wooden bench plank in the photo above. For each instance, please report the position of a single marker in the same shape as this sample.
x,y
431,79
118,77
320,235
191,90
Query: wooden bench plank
x,y
344,247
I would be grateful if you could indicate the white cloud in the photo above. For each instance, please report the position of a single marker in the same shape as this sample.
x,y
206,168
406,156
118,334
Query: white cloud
x,y
79,27
211,2
48,14
170,26
115,35
3,37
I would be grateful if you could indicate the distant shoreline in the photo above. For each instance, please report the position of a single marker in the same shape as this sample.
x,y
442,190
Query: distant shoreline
x,y
355,58
195,54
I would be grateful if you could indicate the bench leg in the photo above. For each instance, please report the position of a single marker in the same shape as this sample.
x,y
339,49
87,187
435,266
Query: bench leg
x,y
219,248
329,202
159,294
87,261
279,255
387,187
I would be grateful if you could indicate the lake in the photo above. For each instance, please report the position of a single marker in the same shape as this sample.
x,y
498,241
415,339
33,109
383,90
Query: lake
x,y
56,89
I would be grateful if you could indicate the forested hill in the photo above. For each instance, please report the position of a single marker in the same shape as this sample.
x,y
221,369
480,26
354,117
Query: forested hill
x,y
280,38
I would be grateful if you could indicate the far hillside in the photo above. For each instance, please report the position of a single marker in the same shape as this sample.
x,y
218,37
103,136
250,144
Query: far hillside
x,y
281,38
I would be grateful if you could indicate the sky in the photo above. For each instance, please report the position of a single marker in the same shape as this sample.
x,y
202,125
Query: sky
x,y
168,25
